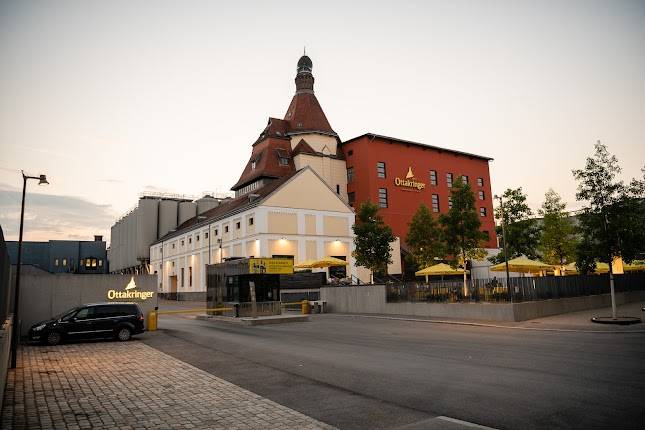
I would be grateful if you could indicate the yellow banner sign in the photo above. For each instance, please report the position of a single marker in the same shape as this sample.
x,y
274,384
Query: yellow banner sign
x,y
275,266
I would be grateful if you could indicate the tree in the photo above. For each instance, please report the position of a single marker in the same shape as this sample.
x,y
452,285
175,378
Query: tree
x,y
372,239
522,233
425,238
613,224
558,240
461,225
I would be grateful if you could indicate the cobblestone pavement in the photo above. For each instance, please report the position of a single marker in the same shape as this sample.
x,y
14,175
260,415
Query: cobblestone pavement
x,y
113,385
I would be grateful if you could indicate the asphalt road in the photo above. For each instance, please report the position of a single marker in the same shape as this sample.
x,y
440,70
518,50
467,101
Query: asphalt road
x,y
358,373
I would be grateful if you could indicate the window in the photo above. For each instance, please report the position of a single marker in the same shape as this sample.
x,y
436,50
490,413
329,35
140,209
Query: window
x,y
380,169
382,197
449,202
350,175
182,243
464,179
449,179
337,189
480,182
435,203
182,276
197,238
252,165
433,177
94,263
100,263
173,264
173,246
216,232
225,229
482,212
56,262
85,313
251,221
81,262
481,195
64,262
206,235
351,197
190,240
190,276
350,152
237,225
283,160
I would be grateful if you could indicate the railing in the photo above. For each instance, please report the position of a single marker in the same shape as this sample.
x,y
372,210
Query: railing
x,y
523,289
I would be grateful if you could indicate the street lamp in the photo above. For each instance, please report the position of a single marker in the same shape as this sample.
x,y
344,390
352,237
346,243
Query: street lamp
x,y
42,180
501,207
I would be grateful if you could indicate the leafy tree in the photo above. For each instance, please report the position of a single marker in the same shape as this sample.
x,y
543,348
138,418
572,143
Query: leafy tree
x,y
522,233
425,238
372,239
613,224
558,240
461,225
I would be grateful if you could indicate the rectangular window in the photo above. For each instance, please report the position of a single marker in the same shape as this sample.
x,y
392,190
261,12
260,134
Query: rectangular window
x,y
350,175
216,232
435,203
182,243
480,182
464,179
100,263
380,169
251,221
449,180
56,262
93,262
350,152
481,195
433,177
382,197
182,276
351,197
197,238
82,262
237,225
190,276
337,189
206,235
482,212
226,229
190,240
449,202
284,161
64,262
173,246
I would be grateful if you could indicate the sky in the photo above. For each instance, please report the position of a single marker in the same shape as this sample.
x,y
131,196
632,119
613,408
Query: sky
x,y
110,99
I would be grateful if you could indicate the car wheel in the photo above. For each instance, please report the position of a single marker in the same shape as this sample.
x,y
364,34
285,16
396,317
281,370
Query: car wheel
x,y
123,334
53,338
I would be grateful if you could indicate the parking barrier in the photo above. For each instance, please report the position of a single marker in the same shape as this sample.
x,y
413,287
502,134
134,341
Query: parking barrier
x,y
153,315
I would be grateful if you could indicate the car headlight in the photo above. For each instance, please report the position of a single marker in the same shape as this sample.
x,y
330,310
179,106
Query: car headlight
x,y
39,327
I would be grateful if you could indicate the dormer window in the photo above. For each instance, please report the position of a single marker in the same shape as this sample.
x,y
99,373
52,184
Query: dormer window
x,y
283,157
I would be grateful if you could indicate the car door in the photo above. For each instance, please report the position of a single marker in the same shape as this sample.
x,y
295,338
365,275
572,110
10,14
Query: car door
x,y
81,325
106,317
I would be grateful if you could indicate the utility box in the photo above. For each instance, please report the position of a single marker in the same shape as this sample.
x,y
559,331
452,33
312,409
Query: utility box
x,y
250,286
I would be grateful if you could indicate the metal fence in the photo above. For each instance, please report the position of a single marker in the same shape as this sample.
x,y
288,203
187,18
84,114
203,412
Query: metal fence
x,y
522,289
5,280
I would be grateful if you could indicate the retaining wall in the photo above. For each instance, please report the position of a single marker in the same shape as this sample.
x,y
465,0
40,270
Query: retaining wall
x,y
370,299
5,354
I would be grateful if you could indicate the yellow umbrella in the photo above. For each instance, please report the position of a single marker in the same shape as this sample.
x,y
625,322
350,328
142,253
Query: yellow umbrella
x,y
634,266
328,262
307,264
439,270
522,265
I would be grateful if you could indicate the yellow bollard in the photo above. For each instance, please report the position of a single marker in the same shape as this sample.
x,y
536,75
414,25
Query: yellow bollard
x,y
152,321
305,307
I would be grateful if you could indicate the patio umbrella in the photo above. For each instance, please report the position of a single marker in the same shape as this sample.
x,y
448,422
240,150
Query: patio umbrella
x,y
328,262
306,264
522,265
440,269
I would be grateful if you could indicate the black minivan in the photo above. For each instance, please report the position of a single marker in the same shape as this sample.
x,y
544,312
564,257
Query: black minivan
x,y
92,321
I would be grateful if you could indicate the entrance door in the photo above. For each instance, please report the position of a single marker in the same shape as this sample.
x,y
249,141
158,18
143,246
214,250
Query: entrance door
x,y
173,287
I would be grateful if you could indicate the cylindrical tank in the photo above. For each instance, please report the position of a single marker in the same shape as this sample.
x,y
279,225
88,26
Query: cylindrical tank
x,y
147,220
167,216
187,210
206,203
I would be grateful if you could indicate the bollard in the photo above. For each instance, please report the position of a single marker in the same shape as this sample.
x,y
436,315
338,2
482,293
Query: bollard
x,y
152,321
305,307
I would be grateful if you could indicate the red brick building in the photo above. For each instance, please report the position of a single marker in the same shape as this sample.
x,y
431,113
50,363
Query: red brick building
x,y
399,175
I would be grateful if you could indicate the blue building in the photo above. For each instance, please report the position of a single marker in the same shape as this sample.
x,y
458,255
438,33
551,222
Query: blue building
x,y
63,256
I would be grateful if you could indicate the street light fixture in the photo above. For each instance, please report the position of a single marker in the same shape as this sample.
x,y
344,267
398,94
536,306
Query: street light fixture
x,y
501,207
42,180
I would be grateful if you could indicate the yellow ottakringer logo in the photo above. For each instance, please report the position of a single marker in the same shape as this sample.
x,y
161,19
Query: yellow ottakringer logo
x,y
409,181
129,292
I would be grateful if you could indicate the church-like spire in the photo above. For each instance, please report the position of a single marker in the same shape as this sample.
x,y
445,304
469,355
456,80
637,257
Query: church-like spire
x,y
304,77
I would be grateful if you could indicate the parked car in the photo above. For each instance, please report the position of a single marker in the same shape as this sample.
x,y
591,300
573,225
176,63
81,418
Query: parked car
x,y
92,321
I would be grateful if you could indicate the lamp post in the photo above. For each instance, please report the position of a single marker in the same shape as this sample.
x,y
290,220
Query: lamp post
x,y
501,207
42,180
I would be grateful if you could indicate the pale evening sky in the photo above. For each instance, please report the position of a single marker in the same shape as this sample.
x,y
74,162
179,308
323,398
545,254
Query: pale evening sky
x,y
113,98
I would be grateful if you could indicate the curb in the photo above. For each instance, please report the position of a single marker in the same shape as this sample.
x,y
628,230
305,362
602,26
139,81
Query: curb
x,y
466,323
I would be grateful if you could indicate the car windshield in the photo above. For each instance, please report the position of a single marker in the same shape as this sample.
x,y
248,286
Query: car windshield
x,y
66,315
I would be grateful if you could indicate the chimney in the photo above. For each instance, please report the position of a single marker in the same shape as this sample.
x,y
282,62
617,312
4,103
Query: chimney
x,y
98,238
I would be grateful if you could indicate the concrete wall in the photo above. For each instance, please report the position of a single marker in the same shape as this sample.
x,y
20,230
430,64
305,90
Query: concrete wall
x,y
5,354
370,299
44,296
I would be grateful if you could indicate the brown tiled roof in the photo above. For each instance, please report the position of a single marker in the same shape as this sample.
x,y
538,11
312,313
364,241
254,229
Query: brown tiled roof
x,y
229,207
303,148
267,163
305,114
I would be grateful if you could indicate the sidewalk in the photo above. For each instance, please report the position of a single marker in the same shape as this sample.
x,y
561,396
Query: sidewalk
x,y
575,321
112,385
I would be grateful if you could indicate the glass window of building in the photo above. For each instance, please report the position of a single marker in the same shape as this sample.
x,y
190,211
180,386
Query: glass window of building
x,y
64,262
56,262
350,175
482,212
100,262
481,195
449,179
182,243
350,152
197,238
190,240
226,229
380,169
173,246
433,177
435,203
206,235
251,221
190,276
182,276
464,179
480,182
382,197
237,225
449,202
351,197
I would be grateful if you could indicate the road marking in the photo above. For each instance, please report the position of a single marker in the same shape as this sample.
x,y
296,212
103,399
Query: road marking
x,y
465,423
490,325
